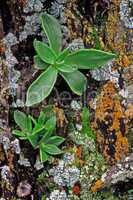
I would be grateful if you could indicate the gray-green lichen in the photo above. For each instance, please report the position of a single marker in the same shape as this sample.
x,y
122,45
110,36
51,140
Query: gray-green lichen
x,y
33,5
7,144
65,175
58,195
13,75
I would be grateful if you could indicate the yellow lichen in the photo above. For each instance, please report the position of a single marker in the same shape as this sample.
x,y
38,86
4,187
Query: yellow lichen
x,y
98,185
110,124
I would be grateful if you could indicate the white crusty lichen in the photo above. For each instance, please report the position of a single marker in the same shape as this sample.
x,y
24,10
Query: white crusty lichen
x,y
7,144
24,161
13,75
63,173
126,7
106,73
75,105
31,27
33,5
15,145
76,44
31,13
57,9
58,195
5,173
10,40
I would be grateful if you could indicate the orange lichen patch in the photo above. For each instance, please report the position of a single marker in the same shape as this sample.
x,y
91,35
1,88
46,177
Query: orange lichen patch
x,y
117,35
97,186
79,152
78,156
110,124
123,61
121,146
100,138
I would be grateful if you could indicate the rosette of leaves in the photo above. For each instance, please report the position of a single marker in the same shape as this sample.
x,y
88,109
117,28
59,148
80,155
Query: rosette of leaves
x,y
53,62
39,133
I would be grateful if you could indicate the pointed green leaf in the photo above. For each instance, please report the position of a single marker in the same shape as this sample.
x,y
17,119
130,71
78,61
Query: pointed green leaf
x,y
50,124
56,140
21,120
36,136
63,55
43,154
52,30
41,87
41,118
85,116
52,149
29,124
33,120
37,127
39,64
89,58
19,133
76,81
91,133
45,137
44,52
66,68
48,110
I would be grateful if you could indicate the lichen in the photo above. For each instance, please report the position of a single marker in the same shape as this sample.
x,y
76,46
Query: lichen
x,y
65,175
31,27
33,5
106,73
122,171
126,16
110,124
57,194
13,75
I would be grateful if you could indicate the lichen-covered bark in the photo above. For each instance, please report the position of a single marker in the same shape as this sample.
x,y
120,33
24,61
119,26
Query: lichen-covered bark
x,y
105,25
